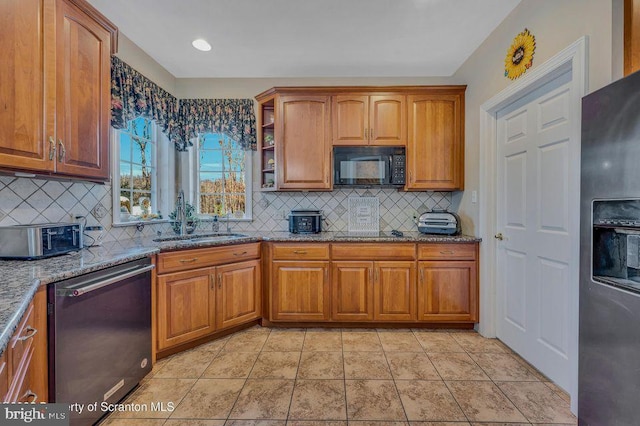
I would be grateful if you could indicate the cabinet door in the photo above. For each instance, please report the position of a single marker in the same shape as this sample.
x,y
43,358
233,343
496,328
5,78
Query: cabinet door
x,y
435,149
350,119
23,134
395,298
304,154
238,293
448,291
352,291
186,306
388,120
300,291
83,94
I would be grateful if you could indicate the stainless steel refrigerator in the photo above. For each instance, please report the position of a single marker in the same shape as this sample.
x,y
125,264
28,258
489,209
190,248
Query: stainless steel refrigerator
x,y
609,348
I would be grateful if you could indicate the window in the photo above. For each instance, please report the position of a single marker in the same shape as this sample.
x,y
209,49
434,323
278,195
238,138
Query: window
x,y
139,191
223,177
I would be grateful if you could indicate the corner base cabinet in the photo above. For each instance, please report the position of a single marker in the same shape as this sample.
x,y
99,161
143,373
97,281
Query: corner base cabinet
x,y
196,298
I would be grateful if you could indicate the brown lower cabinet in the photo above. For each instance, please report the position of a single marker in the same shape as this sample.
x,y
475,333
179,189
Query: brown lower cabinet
x,y
23,365
363,282
195,303
373,291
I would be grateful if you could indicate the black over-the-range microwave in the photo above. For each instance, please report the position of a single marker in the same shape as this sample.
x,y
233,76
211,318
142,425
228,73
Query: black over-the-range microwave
x,y
369,166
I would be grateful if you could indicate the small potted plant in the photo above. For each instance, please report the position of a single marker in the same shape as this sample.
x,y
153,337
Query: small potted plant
x,y
190,216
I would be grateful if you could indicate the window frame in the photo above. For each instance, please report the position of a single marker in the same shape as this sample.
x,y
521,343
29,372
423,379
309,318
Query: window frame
x,y
248,179
161,186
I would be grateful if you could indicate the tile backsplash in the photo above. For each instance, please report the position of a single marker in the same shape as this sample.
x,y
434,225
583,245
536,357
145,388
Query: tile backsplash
x,y
24,200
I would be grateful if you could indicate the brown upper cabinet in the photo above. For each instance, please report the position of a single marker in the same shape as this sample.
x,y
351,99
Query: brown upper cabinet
x,y
360,119
435,150
55,88
299,125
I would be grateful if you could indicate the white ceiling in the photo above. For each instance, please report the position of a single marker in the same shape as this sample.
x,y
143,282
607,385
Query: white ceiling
x,y
308,38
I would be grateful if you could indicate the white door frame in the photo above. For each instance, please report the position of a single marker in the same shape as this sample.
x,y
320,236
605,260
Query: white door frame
x,y
573,58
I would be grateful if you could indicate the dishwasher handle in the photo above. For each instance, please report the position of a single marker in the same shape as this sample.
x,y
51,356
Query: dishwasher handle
x,y
76,292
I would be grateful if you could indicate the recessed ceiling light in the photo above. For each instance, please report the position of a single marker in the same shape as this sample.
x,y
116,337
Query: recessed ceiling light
x,y
201,44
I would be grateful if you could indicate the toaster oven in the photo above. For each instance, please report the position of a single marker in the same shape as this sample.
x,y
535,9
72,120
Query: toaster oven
x,y
305,221
38,241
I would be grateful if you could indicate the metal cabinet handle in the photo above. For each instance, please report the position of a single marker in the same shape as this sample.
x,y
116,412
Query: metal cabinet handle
x,y
52,148
447,252
30,394
410,177
299,252
371,275
62,152
32,332
240,254
212,281
220,281
377,274
421,275
366,133
371,134
188,260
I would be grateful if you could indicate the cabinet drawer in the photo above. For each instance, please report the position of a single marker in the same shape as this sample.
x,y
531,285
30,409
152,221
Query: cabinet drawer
x,y
367,251
465,251
300,251
4,377
199,258
21,342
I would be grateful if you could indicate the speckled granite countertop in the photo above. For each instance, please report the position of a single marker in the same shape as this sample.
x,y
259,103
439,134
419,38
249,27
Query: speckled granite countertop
x,y
21,279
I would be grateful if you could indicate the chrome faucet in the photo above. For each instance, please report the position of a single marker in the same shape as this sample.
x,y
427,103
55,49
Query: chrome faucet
x,y
228,228
181,213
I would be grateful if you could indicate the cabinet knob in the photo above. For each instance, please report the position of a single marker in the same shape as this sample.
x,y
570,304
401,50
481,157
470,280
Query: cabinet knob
x,y
52,148
62,152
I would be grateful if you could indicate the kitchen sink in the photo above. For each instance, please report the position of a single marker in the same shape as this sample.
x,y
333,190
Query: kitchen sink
x,y
200,238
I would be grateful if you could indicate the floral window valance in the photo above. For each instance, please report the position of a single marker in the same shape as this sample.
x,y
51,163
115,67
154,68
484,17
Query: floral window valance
x,y
134,95
233,117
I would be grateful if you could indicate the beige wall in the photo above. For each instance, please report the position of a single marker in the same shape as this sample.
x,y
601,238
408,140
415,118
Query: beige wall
x,y
130,53
555,24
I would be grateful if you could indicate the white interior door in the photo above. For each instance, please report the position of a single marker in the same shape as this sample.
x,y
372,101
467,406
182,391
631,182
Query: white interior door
x,y
535,170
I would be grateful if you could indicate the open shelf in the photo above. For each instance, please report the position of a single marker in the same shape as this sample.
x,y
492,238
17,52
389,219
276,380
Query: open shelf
x,y
268,178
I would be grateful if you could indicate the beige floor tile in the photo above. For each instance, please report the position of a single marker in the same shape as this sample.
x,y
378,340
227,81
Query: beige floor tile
x,y
531,368
538,402
434,341
399,341
456,366
474,343
361,341
321,365
191,422
209,399
284,341
263,399
231,365
255,423
186,365
247,341
318,400
326,341
316,423
156,369
366,365
411,366
439,423
428,400
132,422
376,423
503,367
276,365
157,390
214,346
484,402
559,391
501,424
373,400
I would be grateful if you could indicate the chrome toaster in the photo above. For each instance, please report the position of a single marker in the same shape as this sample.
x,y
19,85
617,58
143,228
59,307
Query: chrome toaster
x,y
439,222
37,241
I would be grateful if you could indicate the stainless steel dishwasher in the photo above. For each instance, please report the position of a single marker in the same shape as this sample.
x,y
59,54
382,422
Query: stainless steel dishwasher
x,y
100,337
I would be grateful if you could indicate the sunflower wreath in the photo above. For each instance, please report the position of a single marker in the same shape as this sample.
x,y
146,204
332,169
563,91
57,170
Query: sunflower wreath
x,y
520,55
